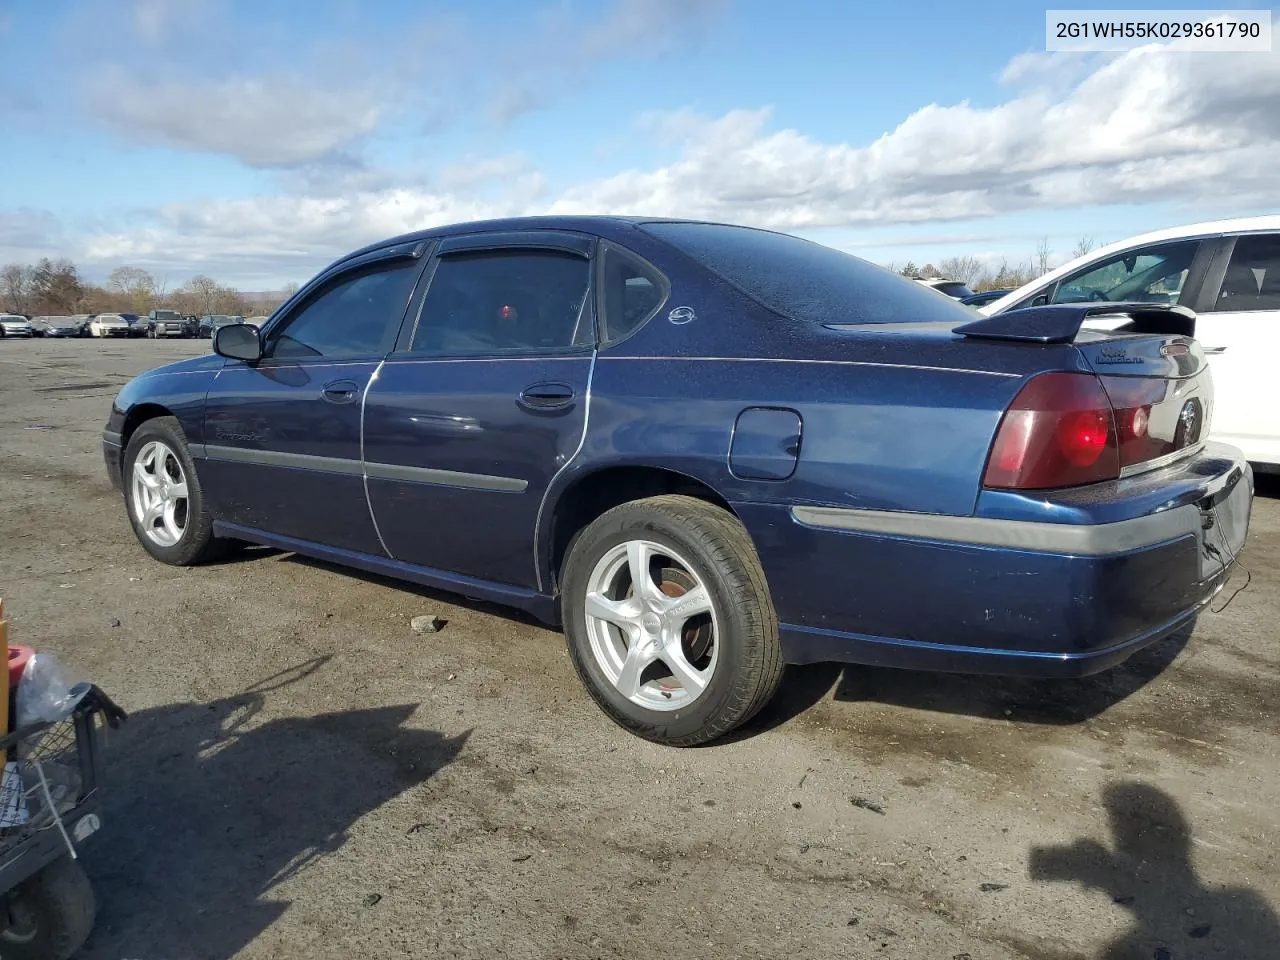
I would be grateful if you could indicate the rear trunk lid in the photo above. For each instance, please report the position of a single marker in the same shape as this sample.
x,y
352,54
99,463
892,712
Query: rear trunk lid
x,y
1154,373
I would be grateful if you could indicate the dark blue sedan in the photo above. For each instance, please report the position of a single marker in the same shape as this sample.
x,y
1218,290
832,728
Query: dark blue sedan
x,y
705,450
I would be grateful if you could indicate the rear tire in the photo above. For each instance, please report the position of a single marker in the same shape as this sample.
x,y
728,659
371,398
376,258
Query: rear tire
x,y
50,915
158,473
711,661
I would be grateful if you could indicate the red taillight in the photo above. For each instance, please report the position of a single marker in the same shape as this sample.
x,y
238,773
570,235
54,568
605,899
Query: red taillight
x,y
1059,432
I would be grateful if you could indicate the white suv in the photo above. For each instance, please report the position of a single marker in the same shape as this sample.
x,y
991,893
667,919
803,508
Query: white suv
x,y
1228,272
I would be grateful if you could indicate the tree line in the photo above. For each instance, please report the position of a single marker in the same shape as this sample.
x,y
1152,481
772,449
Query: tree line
x,y
979,276
56,288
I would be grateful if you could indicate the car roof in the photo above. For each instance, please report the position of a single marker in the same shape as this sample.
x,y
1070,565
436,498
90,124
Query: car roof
x,y
1190,231
603,225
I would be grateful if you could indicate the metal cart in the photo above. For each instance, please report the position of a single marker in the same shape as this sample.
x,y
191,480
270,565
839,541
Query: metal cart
x,y
48,807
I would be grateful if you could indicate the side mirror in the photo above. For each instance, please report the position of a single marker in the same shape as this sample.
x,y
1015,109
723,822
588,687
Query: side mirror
x,y
238,341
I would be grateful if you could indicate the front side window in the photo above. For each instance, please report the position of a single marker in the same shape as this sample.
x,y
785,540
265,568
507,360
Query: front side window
x,y
1148,275
350,318
505,302
1252,280
631,291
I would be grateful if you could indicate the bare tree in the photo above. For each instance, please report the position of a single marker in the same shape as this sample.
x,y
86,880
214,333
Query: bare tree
x,y
134,285
290,289
1083,245
198,294
15,287
929,272
1044,253
56,286
964,268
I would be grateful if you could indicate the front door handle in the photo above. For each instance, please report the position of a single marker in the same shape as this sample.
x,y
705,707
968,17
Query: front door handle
x,y
1214,350
340,391
546,396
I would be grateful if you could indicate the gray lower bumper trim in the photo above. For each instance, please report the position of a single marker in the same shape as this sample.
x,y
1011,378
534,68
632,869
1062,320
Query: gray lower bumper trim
x,y
1065,538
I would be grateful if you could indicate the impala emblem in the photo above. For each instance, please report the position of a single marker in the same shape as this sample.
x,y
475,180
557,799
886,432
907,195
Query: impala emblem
x,y
681,315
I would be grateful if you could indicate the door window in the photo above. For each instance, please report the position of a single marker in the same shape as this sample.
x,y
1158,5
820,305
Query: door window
x,y
505,302
1149,275
352,317
631,293
1252,280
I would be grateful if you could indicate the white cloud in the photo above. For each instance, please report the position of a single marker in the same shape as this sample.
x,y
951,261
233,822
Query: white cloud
x,y
1149,126
265,121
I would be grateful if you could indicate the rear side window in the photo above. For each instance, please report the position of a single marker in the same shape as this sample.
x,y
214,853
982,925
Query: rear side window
x,y
1252,281
505,302
807,281
350,318
631,292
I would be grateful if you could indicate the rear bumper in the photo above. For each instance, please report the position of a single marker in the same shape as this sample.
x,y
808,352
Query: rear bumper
x,y
1121,566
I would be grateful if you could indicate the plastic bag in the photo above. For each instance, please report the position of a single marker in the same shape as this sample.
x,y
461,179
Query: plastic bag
x,y
45,694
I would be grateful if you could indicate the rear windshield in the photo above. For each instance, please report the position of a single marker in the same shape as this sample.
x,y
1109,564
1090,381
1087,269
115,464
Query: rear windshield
x,y
807,281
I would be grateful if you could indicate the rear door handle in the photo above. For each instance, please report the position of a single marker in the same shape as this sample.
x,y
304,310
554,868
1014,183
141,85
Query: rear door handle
x,y
546,396
1215,350
340,391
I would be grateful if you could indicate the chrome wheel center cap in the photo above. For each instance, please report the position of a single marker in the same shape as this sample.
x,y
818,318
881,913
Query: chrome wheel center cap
x,y
652,625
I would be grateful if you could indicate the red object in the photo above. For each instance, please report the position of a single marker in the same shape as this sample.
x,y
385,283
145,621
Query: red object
x,y
18,657
1058,432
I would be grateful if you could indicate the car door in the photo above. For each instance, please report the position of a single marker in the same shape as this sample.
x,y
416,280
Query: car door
x,y
1238,324
282,435
483,401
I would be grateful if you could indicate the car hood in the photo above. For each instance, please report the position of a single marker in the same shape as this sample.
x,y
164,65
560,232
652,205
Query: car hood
x,y
208,362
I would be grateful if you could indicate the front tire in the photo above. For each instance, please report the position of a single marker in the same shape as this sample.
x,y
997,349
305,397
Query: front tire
x,y
669,620
163,496
49,916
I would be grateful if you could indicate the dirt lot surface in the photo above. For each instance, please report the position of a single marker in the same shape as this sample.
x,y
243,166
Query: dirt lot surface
x,y
303,776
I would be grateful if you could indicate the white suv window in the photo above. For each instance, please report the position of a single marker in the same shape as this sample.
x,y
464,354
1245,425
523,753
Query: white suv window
x,y
1252,280
1150,275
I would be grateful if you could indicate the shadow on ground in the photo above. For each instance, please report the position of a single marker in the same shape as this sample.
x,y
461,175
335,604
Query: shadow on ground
x,y
206,811
1148,871
1022,700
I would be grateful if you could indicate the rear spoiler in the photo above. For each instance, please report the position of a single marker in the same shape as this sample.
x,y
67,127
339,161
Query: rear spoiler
x,y
1061,322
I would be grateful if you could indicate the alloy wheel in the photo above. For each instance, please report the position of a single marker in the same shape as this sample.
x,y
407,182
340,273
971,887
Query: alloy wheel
x,y
159,494
652,625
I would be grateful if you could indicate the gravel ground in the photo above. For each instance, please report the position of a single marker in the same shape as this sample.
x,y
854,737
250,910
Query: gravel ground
x,y
303,776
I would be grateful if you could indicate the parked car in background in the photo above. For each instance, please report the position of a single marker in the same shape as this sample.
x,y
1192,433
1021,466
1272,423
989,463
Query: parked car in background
x,y
211,322
983,298
81,320
137,326
166,323
705,450
955,289
55,327
1228,272
108,325
256,321
14,325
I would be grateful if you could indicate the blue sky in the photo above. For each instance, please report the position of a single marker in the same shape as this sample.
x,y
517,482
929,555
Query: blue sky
x,y
256,141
